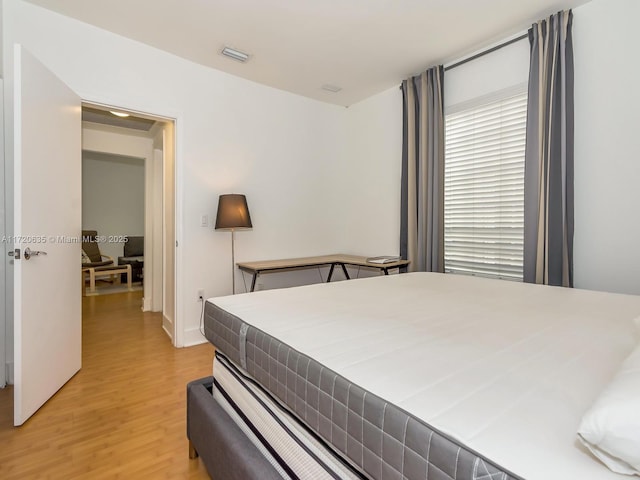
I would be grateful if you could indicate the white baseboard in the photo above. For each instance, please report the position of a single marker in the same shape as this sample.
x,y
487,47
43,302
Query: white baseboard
x,y
193,337
146,304
167,326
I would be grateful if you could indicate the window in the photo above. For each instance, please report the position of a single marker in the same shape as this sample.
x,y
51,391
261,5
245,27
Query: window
x,y
484,187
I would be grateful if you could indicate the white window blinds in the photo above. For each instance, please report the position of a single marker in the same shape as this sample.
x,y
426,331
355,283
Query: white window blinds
x,y
484,188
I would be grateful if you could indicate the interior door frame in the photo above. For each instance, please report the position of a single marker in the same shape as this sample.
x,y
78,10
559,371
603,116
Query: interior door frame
x,y
6,285
4,374
175,118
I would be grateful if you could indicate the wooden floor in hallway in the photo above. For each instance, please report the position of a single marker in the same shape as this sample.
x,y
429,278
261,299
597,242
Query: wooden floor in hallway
x,y
122,415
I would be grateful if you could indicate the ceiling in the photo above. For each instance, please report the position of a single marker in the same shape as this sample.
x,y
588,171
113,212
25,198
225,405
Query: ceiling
x,y
112,158
105,117
362,46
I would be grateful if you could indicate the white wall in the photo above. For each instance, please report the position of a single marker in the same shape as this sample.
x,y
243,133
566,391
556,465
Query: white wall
x,y
113,190
607,167
371,175
503,69
233,135
116,141
607,153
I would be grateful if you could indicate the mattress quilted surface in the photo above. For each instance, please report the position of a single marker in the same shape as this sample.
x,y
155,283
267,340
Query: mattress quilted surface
x,y
506,368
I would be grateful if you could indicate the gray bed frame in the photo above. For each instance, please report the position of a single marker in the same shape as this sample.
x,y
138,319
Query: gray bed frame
x,y
225,450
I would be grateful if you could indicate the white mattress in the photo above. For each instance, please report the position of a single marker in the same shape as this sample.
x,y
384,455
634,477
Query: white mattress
x,y
506,368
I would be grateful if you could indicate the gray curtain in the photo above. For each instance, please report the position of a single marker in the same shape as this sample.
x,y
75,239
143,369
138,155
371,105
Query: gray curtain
x,y
548,190
422,202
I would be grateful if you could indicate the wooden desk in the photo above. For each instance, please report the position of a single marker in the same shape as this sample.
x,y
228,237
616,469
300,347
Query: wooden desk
x,y
270,266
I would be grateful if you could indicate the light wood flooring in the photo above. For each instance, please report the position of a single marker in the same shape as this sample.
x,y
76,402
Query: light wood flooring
x,y
122,415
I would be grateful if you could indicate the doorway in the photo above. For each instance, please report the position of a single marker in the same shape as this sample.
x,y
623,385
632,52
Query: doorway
x,y
129,192
47,145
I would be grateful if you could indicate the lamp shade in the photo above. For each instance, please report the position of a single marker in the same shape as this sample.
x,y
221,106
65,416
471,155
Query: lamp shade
x,y
233,212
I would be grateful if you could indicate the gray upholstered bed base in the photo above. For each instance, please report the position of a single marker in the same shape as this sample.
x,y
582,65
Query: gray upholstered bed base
x,y
225,451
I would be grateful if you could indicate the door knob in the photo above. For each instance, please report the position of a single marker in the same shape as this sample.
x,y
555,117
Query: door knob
x,y
28,253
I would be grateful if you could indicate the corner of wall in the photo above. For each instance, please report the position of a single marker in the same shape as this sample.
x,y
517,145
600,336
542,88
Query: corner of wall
x,y
146,304
192,337
9,373
167,326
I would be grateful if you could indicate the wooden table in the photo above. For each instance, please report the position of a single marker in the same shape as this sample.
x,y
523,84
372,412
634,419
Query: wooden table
x,y
342,260
111,270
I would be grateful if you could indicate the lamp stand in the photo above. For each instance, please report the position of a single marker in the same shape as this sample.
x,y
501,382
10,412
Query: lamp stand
x,y
233,261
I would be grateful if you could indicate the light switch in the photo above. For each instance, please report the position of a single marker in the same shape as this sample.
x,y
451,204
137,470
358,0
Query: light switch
x,y
204,220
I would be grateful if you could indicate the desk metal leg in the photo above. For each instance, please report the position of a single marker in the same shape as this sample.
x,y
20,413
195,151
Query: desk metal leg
x,y
386,271
330,272
344,269
253,281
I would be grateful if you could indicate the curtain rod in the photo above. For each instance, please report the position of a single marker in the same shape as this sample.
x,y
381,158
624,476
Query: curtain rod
x,y
489,50
485,52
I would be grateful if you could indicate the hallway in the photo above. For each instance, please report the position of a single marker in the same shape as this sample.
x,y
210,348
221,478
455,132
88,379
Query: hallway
x,y
121,416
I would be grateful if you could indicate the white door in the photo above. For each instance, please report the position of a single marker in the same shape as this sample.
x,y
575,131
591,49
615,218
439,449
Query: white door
x,y
47,209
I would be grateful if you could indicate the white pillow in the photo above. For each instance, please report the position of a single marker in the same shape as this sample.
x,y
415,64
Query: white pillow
x,y
611,428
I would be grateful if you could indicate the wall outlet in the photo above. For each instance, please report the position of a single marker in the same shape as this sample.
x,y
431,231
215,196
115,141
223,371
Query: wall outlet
x,y
259,286
201,294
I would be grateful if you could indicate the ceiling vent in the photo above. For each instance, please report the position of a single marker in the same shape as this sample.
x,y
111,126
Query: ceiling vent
x,y
235,54
331,88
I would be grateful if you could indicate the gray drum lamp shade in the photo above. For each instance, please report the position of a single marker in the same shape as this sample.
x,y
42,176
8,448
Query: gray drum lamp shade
x,y
233,212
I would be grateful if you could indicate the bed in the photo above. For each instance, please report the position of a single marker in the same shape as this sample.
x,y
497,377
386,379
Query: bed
x,y
416,376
